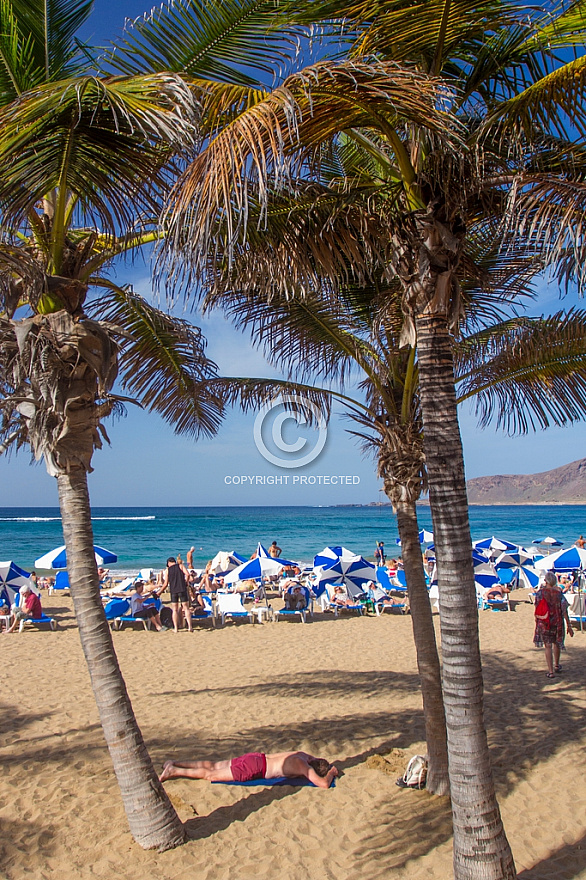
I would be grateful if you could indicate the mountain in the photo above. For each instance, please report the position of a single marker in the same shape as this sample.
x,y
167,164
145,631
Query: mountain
x,y
563,485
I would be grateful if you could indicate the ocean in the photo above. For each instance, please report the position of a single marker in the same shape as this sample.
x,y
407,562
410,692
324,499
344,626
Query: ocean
x,y
145,537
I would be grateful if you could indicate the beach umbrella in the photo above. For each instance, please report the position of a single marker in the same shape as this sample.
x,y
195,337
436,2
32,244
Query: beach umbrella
x,y
563,560
425,537
225,561
551,542
57,558
517,562
512,560
13,577
254,569
329,555
352,571
493,544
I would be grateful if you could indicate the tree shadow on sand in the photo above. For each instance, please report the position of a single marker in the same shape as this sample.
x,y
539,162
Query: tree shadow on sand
x,y
565,863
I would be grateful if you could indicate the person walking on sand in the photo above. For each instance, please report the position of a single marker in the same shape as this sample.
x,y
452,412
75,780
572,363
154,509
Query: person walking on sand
x,y
255,765
551,610
175,578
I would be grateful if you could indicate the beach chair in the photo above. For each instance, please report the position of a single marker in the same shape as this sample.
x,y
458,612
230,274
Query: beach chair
x,y
61,582
35,621
377,596
230,605
207,613
494,604
297,612
328,605
118,611
577,609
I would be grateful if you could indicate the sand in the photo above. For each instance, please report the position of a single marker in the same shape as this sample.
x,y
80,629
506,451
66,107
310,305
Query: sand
x,y
346,688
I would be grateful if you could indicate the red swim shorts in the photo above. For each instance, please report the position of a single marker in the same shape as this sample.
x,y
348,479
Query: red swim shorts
x,y
247,767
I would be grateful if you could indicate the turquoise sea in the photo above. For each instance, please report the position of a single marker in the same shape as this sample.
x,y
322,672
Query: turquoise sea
x,y
145,537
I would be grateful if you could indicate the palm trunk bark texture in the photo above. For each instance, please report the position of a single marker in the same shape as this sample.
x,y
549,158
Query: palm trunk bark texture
x,y
426,649
481,849
154,824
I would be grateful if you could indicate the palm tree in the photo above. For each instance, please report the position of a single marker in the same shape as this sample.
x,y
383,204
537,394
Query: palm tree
x,y
446,174
86,162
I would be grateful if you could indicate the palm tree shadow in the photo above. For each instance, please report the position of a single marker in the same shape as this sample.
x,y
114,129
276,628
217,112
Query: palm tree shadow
x,y
565,863
223,817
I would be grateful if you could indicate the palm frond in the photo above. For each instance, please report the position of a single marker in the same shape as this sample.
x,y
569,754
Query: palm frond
x,y
234,41
162,361
555,103
104,141
526,373
38,42
267,146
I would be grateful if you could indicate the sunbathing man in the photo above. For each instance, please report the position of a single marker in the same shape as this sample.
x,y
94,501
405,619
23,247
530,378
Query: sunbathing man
x,y
255,765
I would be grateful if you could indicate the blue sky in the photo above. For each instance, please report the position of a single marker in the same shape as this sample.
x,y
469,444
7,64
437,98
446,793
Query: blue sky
x,y
147,465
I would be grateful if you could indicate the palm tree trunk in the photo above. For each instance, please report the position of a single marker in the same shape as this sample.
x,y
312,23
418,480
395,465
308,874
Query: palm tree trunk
x,y
481,849
152,819
426,649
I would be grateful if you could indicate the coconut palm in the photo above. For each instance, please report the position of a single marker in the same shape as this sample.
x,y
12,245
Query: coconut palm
x,y
86,160
446,174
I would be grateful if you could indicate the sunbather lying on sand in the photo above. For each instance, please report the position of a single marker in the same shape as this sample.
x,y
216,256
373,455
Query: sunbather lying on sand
x,y
255,765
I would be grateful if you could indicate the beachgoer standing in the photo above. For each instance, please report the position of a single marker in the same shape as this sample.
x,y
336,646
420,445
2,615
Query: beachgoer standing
x,y
175,578
274,550
549,622
580,542
379,553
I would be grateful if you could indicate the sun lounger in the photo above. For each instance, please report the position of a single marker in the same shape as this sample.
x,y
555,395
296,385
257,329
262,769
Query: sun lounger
x,y
577,609
118,612
36,621
493,604
61,582
297,612
328,605
230,605
377,597
207,613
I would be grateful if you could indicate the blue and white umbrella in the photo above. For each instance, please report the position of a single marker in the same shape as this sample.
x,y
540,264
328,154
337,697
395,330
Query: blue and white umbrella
x,y
13,577
255,569
329,555
493,544
225,561
352,571
549,541
563,560
521,564
57,558
425,537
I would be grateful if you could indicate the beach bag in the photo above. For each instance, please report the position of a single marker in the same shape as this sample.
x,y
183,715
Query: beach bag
x,y
166,616
415,775
542,612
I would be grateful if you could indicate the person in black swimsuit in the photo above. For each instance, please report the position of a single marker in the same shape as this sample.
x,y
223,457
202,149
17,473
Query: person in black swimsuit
x,y
176,578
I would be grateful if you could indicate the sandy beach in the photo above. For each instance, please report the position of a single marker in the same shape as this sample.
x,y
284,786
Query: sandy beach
x,y
345,688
